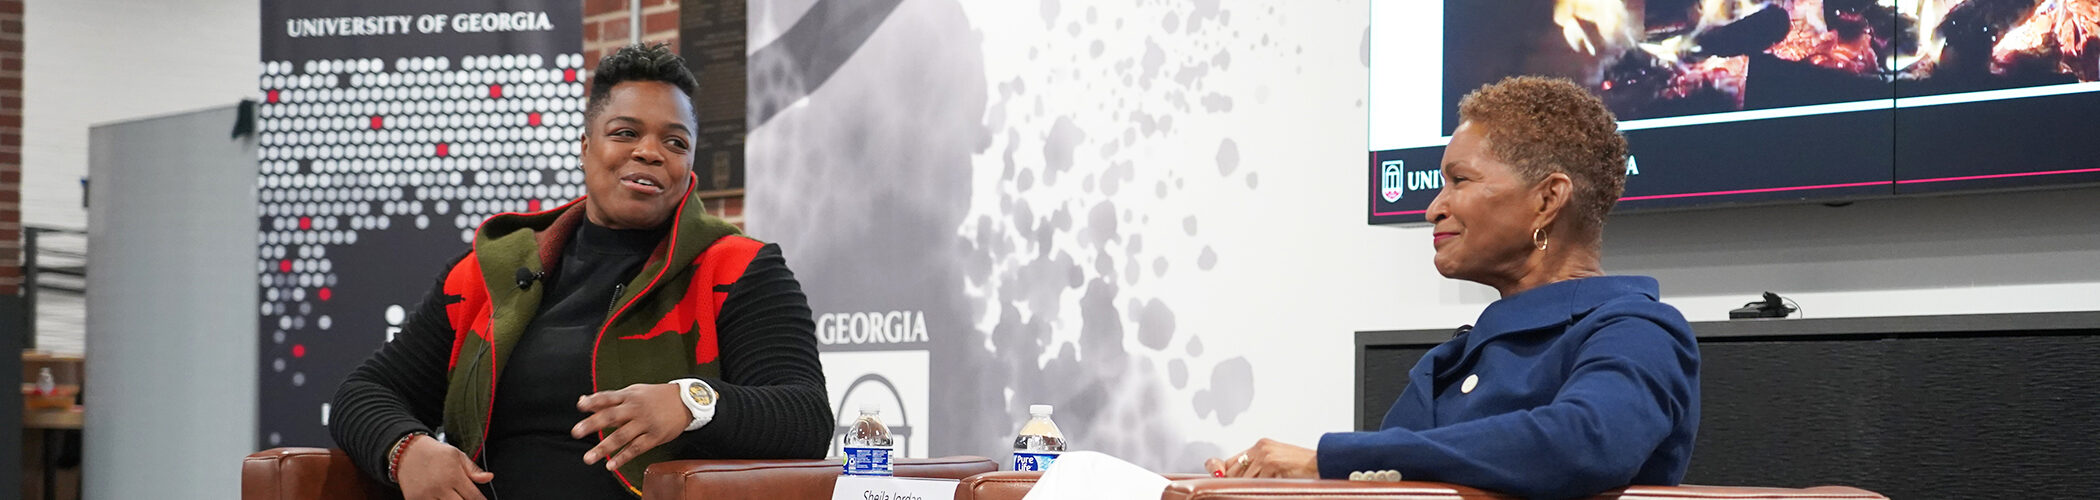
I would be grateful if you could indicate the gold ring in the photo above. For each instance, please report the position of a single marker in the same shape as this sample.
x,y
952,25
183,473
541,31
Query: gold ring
x,y
1242,462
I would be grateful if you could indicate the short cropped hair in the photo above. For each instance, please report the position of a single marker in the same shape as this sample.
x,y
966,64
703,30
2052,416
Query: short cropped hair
x,y
638,63
1544,125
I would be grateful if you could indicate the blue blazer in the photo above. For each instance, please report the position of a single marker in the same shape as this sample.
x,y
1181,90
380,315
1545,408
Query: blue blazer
x,y
1565,390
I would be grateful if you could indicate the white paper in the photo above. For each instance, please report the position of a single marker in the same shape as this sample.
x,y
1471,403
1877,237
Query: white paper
x,y
1087,475
893,488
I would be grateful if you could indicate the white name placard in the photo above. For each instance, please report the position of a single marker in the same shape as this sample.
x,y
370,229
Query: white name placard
x,y
893,488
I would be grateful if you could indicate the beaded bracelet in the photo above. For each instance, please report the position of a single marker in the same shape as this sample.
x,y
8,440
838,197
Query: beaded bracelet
x,y
393,456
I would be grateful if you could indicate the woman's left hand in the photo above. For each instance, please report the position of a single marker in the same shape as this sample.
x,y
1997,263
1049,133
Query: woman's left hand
x,y
643,416
1268,458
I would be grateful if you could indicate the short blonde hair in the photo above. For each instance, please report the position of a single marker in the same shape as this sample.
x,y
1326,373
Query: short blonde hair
x,y
1544,125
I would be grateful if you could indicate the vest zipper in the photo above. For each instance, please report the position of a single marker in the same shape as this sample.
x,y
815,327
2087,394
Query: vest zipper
x,y
615,305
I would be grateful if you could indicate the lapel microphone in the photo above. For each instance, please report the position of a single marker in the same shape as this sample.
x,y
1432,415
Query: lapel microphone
x,y
526,277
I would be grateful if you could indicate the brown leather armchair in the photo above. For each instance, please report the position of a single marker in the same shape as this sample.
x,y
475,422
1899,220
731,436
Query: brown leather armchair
x,y
307,474
783,479
322,474
1014,485
1269,489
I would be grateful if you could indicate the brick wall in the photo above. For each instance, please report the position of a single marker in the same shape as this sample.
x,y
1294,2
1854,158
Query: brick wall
x,y
10,147
607,26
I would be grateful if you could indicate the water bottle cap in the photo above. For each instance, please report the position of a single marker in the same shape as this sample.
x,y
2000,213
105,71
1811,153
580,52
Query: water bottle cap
x,y
869,408
1038,409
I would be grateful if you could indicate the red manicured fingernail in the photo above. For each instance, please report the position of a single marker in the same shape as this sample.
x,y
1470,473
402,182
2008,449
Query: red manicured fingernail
x,y
1217,473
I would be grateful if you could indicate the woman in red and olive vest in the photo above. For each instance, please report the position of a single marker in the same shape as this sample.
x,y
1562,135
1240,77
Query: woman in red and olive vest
x,y
571,348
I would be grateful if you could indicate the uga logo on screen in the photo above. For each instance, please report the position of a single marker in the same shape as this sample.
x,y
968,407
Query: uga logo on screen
x,y
1389,179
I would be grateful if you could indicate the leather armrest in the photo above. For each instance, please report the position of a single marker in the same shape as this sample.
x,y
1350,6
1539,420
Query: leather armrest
x,y
1012,485
1265,489
1691,492
782,479
1319,489
307,474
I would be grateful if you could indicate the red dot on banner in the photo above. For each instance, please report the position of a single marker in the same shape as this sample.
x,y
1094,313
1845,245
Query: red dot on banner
x,y
298,350
273,96
443,149
532,205
568,75
532,119
325,293
375,123
495,91
306,223
284,266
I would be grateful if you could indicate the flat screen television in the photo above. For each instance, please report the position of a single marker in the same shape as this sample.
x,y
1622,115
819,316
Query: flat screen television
x,y
1743,101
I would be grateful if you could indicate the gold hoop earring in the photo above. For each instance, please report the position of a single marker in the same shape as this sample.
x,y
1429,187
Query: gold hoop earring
x,y
1538,238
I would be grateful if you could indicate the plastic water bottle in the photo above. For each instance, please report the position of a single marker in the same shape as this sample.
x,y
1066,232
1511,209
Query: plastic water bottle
x,y
46,384
867,446
1039,443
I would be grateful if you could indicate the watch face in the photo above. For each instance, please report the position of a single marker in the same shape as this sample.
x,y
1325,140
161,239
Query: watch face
x,y
700,394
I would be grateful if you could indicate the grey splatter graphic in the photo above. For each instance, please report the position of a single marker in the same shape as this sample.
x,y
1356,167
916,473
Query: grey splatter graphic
x,y
1156,325
806,56
1363,54
905,214
1253,180
1149,66
1057,149
1101,223
1229,376
1206,10
1101,327
1119,173
1190,74
1039,289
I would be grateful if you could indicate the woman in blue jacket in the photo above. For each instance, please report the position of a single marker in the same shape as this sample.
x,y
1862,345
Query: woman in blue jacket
x,y
1574,382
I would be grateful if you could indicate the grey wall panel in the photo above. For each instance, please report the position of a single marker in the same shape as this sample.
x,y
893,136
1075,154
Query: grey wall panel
x,y
1384,374
170,395
1972,414
1792,414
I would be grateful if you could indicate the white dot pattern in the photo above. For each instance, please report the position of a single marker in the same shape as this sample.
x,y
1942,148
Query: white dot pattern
x,y
351,146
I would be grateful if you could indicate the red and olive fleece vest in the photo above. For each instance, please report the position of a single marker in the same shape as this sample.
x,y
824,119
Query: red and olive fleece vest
x,y
661,328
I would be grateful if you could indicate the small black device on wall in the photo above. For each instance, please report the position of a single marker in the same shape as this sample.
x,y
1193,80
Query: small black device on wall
x,y
1773,306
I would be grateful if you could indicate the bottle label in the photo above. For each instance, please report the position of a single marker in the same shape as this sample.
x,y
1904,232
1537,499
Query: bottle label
x,y
1034,461
867,460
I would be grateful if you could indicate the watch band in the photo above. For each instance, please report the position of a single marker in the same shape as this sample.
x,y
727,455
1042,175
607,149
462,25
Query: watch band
x,y
699,398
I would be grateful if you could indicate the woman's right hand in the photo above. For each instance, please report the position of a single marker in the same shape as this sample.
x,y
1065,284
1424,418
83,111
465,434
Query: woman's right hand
x,y
431,469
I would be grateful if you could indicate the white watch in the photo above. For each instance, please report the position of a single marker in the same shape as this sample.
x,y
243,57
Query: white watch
x,y
700,398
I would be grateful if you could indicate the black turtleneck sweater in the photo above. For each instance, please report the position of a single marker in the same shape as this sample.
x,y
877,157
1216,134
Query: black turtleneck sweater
x,y
529,447
771,379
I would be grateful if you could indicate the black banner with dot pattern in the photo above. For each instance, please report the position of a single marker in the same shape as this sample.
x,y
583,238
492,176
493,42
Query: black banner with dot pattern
x,y
388,130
